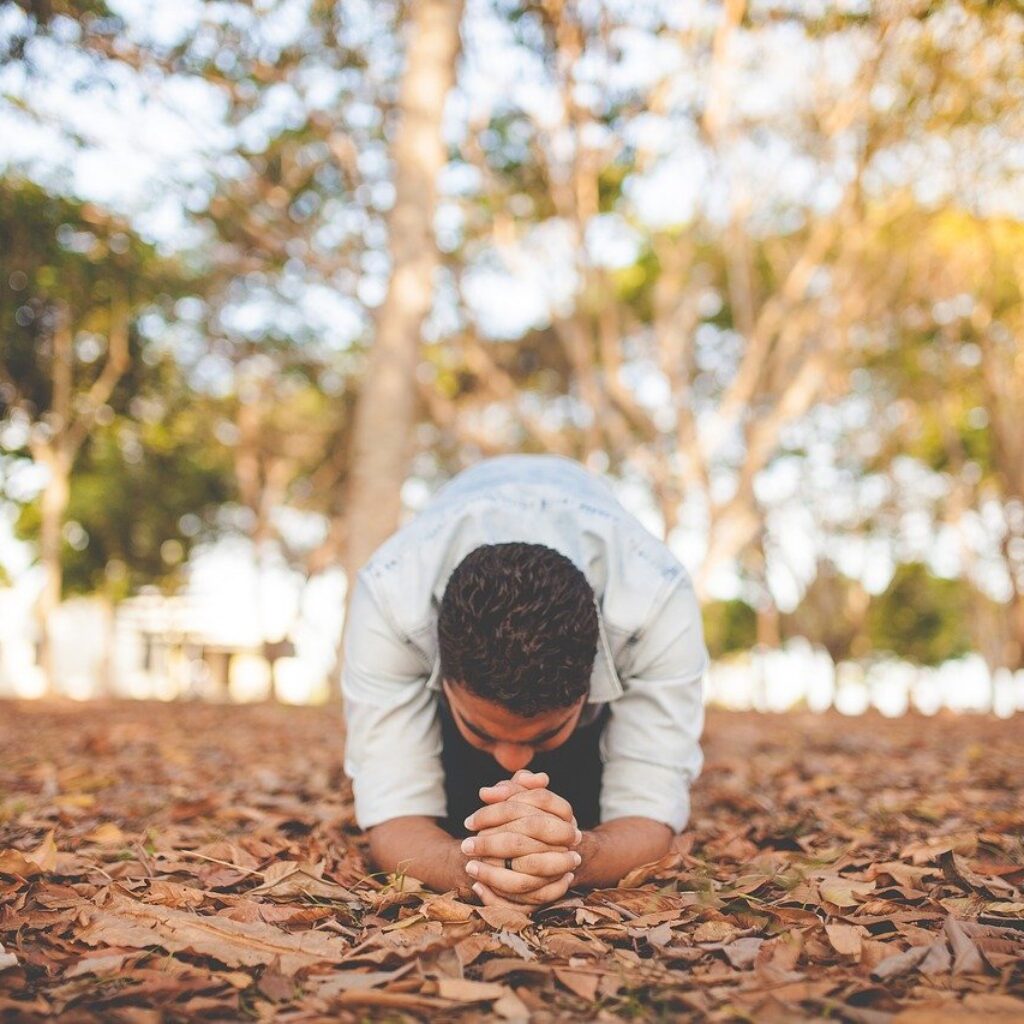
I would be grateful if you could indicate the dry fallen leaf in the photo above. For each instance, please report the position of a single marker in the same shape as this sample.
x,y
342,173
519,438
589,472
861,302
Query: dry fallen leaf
x,y
445,909
234,943
106,834
582,984
845,939
463,990
715,931
504,918
840,891
29,863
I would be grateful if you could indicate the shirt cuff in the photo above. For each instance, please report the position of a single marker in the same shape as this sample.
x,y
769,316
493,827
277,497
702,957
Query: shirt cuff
x,y
381,796
645,790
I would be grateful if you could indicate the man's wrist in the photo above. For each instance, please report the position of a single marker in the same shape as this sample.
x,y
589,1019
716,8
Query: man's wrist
x,y
461,882
589,849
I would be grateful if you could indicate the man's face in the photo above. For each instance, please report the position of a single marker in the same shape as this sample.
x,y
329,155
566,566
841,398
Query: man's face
x,y
510,739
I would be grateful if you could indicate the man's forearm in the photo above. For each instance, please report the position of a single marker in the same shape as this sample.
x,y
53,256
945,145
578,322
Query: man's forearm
x,y
614,848
418,846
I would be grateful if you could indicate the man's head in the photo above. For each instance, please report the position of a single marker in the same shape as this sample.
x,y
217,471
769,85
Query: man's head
x,y
517,632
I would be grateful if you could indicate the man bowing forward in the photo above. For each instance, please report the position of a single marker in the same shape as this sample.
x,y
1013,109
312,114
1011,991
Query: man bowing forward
x,y
522,685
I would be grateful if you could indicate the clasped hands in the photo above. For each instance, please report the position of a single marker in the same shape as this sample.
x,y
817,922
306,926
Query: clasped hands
x,y
531,828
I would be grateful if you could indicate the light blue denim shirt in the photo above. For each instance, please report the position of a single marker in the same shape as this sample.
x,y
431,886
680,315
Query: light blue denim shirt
x,y
650,659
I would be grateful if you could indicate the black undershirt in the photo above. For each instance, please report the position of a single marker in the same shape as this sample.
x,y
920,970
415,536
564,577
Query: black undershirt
x,y
574,769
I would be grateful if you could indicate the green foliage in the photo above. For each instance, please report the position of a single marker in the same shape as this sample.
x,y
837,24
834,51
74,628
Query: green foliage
x,y
64,258
729,626
921,617
147,459
143,493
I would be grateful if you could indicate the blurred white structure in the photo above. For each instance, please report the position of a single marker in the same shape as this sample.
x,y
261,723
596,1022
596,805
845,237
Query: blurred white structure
x,y
163,648
798,674
152,647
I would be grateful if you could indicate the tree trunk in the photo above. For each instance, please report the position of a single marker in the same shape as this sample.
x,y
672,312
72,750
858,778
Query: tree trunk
x,y
1013,654
386,410
53,506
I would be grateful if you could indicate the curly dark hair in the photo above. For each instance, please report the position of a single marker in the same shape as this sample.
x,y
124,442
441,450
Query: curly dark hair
x,y
518,626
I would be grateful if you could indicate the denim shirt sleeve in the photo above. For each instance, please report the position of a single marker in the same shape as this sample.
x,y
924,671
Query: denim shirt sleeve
x,y
651,744
393,736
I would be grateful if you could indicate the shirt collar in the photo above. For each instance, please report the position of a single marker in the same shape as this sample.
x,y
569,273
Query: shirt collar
x,y
605,684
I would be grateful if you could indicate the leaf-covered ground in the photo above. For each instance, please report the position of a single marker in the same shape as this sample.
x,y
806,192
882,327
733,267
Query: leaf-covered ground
x,y
195,862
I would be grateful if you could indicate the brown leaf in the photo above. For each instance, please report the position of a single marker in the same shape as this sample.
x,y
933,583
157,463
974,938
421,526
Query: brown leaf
x,y
29,863
667,865
472,947
841,891
845,939
715,931
937,960
234,943
1010,909
995,1003
285,879
873,952
741,952
906,875
966,958
899,963
391,1000
504,918
174,894
17,863
517,944
782,952
463,990
660,936
567,944
581,984
446,910
105,961
275,985
929,851
353,980
503,966
106,834
511,1007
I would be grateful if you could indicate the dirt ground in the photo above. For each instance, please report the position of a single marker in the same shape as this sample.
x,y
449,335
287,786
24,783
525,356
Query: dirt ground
x,y
171,862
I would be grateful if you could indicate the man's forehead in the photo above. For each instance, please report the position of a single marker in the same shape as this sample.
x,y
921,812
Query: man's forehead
x,y
495,722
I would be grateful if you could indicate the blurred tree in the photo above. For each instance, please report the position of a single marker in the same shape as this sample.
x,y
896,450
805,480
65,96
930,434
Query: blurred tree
x,y
729,626
146,487
832,613
388,405
947,383
921,617
76,281
741,307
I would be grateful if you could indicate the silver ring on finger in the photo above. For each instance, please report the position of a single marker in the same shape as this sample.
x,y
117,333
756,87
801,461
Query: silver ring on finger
x,y
508,864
